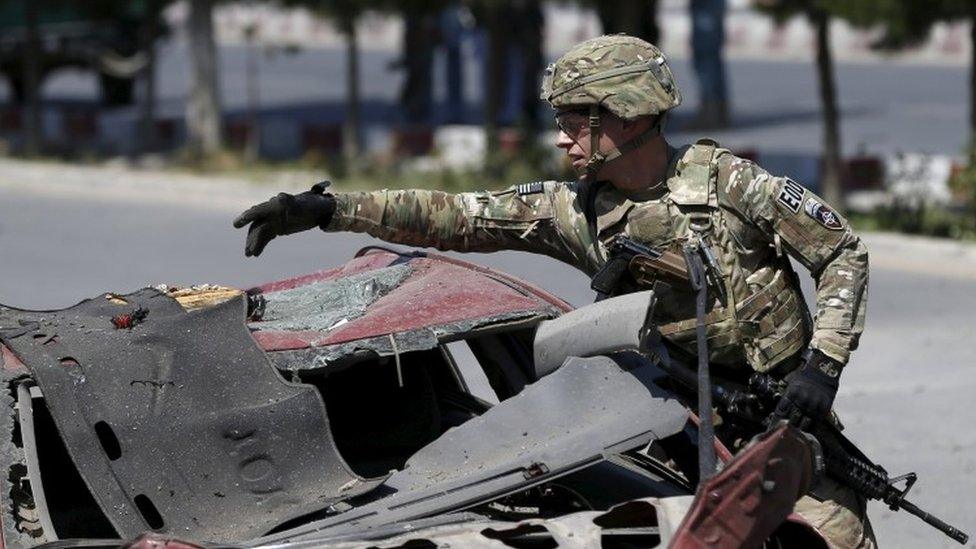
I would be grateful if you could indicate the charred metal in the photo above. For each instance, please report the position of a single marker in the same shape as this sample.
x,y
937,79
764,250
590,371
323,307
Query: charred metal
x,y
395,400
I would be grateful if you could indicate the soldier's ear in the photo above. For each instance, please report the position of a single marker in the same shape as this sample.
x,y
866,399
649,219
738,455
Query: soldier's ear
x,y
632,128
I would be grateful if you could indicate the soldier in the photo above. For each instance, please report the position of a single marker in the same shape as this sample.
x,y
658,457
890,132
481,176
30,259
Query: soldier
x,y
612,95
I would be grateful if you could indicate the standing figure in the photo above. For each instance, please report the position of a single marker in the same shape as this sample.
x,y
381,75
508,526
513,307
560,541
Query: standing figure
x,y
707,40
419,39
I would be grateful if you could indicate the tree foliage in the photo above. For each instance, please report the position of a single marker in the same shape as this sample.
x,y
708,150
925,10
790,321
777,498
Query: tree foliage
x,y
904,23
343,12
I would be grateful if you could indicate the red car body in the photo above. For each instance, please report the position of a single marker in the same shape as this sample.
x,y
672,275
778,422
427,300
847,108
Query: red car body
x,y
383,319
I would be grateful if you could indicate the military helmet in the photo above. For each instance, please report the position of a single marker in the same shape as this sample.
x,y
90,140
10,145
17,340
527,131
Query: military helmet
x,y
623,74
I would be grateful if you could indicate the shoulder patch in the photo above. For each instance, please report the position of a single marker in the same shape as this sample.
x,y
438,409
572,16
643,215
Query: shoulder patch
x,y
822,214
707,141
792,195
529,188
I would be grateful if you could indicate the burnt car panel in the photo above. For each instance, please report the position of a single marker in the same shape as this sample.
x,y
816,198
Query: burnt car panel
x,y
373,390
644,522
187,414
576,417
361,263
106,376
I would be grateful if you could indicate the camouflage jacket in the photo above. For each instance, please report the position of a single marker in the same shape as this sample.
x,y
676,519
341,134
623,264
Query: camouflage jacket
x,y
754,220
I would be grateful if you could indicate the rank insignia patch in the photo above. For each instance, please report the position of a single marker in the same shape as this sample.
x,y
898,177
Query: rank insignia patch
x,y
529,188
792,195
824,215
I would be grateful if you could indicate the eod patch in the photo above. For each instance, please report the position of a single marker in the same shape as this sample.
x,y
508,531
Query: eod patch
x,y
823,214
792,195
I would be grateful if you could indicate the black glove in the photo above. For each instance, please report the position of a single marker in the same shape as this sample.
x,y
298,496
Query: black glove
x,y
810,390
286,214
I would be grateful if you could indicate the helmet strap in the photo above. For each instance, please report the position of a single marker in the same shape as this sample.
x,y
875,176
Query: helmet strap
x,y
599,158
596,160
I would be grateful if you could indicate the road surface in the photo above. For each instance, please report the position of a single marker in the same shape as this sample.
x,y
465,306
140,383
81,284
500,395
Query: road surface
x,y
68,233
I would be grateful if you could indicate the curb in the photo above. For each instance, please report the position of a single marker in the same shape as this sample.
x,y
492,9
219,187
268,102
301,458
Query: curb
x,y
115,184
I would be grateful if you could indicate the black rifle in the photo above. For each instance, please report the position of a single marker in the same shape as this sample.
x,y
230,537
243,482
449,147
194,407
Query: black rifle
x,y
845,463
753,405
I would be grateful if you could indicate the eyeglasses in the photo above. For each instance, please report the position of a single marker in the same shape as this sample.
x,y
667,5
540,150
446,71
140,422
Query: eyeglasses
x,y
572,123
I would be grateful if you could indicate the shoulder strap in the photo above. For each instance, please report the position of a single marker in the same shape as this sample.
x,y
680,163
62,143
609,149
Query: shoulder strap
x,y
589,191
691,184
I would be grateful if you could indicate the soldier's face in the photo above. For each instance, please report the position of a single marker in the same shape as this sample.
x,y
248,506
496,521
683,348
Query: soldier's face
x,y
574,136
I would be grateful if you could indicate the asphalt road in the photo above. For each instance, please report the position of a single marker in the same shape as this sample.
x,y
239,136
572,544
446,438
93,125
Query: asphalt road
x,y
69,234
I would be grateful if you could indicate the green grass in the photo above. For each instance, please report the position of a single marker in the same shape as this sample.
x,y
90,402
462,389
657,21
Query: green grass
x,y
504,170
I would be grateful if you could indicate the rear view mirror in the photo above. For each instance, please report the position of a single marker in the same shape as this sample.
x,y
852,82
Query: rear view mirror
x,y
608,326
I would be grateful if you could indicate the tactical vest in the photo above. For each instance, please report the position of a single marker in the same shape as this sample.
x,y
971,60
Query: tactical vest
x,y
765,319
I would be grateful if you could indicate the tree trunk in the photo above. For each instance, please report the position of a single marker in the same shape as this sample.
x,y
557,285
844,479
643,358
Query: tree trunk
x,y
633,17
830,183
252,145
972,109
32,81
972,90
496,74
147,120
529,39
203,108
351,127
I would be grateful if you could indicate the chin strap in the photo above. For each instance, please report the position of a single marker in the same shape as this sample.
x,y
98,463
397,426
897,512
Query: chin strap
x,y
598,158
590,189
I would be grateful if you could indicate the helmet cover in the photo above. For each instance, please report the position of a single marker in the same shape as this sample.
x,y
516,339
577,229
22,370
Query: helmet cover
x,y
623,74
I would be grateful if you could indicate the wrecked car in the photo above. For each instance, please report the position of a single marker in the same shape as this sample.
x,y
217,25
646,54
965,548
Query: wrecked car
x,y
399,398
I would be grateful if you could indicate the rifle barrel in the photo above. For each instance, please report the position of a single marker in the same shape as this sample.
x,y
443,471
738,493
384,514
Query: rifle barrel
x,y
935,522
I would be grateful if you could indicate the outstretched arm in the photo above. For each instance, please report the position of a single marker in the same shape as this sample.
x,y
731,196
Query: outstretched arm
x,y
519,218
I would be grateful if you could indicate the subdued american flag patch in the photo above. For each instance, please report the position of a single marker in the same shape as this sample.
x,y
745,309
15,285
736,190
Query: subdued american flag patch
x,y
529,188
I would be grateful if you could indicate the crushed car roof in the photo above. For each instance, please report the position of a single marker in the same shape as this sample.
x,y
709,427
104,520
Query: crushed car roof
x,y
418,297
138,380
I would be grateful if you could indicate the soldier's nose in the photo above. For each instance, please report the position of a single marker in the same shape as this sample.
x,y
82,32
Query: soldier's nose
x,y
563,141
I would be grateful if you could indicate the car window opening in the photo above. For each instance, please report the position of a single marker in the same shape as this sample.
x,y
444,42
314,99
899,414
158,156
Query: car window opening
x,y
376,423
506,359
380,414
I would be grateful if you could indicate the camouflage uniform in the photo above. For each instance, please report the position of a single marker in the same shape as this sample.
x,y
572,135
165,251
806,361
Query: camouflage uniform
x,y
752,220
756,220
